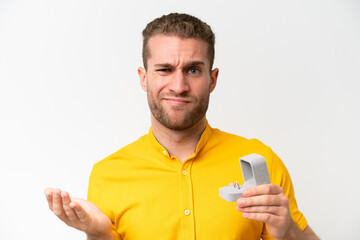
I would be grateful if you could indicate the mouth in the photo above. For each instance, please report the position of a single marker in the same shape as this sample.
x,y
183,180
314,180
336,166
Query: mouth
x,y
176,102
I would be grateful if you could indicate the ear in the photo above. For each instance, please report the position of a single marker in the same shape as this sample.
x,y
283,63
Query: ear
x,y
214,75
142,76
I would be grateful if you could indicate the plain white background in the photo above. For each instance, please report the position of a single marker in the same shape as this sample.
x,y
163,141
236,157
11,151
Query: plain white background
x,y
70,96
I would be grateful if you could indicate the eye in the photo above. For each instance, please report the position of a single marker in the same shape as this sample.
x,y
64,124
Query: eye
x,y
164,70
194,71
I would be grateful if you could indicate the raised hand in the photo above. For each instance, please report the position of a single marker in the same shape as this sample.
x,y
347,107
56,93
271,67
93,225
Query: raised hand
x,y
80,214
267,203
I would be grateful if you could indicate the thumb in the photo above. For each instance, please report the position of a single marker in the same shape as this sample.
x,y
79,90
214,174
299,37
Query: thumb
x,y
83,216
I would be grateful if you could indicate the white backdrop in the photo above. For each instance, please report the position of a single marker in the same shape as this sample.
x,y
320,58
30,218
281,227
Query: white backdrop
x,y
70,96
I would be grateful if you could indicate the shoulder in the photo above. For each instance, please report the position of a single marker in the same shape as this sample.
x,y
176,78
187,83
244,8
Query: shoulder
x,y
242,146
126,153
231,139
218,135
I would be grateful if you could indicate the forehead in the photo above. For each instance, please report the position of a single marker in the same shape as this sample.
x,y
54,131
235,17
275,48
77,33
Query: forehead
x,y
175,50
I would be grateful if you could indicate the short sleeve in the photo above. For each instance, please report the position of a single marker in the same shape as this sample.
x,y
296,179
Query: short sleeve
x,y
95,196
283,179
280,176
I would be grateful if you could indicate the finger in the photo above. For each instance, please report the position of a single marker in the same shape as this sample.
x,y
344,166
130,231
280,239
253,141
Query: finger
x,y
263,200
58,206
231,184
70,213
49,197
264,189
83,216
262,217
275,210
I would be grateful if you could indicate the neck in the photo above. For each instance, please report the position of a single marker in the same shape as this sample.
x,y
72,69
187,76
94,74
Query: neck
x,y
179,143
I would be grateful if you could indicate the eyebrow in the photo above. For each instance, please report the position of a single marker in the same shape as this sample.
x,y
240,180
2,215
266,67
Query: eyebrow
x,y
167,65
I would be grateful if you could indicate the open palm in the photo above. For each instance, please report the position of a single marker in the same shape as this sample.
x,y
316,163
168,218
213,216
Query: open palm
x,y
79,213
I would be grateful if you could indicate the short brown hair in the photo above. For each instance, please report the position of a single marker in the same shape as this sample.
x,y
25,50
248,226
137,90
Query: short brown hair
x,y
182,25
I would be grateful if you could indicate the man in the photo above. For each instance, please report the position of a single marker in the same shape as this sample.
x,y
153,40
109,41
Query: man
x,y
165,185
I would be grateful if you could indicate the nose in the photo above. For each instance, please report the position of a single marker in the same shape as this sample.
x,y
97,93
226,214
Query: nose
x,y
178,83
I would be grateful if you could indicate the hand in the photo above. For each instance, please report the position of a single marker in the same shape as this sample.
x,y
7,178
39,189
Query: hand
x,y
267,203
79,213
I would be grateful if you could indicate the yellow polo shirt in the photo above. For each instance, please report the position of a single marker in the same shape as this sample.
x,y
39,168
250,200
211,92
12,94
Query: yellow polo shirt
x,y
149,194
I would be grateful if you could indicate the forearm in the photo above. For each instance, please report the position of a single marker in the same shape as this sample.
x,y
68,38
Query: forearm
x,y
107,237
295,233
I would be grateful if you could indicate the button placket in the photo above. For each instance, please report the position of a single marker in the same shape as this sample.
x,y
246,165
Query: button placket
x,y
187,199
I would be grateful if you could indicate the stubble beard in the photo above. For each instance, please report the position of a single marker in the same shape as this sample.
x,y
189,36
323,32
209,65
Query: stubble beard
x,y
187,119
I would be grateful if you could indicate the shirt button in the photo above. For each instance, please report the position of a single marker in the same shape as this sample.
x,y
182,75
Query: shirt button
x,y
187,212
164,152
183,172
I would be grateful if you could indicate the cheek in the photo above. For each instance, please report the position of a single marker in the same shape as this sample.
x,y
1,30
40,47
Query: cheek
x,y
155,87
161,84
201,88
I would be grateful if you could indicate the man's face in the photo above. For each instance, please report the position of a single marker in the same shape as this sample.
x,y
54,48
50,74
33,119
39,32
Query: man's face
x,y
178,80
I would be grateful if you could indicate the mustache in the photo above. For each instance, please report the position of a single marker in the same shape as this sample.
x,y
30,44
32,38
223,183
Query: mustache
x,y
183,96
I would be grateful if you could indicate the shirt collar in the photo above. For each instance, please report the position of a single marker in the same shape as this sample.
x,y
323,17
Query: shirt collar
x,y
205,136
